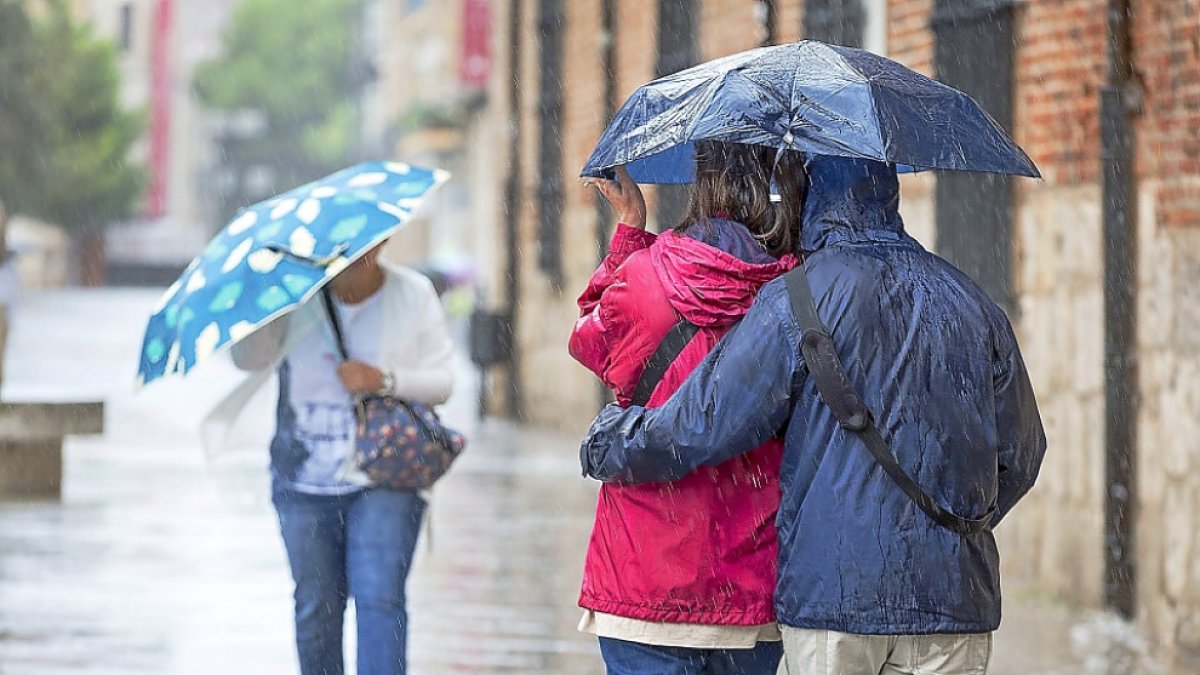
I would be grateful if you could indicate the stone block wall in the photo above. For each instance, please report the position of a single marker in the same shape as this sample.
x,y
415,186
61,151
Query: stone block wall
x,y
1168,459
1167,52
1054,538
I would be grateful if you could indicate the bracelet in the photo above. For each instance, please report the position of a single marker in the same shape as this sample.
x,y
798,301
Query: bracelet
x,y
389,382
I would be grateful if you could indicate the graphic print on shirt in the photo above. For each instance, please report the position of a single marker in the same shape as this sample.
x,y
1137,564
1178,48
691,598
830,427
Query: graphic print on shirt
x,y
326,430
317,425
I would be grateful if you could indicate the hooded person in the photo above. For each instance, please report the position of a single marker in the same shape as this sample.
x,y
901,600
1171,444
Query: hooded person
x,y
679,576
868,583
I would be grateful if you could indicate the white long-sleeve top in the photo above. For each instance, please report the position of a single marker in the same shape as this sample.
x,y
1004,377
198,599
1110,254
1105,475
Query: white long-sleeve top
x,y
414,342
401,328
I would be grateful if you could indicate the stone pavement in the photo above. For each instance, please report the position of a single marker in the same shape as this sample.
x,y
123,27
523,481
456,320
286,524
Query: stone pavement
x,y
159,560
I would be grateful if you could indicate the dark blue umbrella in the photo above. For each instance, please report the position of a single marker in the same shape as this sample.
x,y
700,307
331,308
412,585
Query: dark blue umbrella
x,y
808,96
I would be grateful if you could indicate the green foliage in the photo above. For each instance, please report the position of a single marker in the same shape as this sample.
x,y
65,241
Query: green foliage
x,y
23,122
63,122
297,69
91,183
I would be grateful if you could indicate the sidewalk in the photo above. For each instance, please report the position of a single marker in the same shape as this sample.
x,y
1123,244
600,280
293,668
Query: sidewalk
x,y
158,561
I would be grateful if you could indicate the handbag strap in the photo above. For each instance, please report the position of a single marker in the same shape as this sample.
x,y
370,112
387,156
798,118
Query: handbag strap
x,y
668,350
335,322
852,413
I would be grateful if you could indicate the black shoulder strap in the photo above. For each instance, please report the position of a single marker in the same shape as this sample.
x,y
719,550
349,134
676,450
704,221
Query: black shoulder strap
x,y
335,323
668,350
836,390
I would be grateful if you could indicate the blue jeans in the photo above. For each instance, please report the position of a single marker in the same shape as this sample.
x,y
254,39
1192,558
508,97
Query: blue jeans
x,y
358,545
634,658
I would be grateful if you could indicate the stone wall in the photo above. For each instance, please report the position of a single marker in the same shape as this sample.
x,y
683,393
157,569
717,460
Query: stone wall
x,y
1168,524
1167,51
1054,538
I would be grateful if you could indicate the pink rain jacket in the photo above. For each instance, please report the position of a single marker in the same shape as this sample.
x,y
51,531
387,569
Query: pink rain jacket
x,y
701,549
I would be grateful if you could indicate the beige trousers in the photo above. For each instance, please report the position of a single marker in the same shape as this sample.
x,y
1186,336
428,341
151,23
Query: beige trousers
x,y
827,652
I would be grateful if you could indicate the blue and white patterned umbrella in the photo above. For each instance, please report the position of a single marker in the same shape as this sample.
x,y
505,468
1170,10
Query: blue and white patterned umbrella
x,y
275,255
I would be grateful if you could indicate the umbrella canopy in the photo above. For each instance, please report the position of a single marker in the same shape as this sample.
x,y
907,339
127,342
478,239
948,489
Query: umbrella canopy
x,y
275,255
809,96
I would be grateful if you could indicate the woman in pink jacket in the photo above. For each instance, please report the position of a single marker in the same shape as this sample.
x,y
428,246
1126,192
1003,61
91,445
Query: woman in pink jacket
x,y
679,576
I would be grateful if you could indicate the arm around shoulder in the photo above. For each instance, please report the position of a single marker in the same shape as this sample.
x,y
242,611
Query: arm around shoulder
x,y
733,402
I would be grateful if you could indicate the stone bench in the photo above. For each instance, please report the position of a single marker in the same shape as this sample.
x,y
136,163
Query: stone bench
x,y
31,444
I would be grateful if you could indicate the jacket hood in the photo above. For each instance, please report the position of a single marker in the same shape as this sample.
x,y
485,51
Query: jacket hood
x,y
850,200
712,274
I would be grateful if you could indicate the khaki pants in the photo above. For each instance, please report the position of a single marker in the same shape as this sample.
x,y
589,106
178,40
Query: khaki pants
x,y
827,652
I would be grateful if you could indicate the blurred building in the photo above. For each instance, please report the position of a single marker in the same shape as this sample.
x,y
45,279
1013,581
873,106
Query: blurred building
x,y
161,42
1098,264
434,59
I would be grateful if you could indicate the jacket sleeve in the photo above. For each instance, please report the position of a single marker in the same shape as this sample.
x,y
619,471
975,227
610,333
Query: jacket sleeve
x,y
734,401
432,380
1019,425
591,339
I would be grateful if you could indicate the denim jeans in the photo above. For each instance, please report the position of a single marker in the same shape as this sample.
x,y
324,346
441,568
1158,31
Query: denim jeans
x,y
634,658
358,545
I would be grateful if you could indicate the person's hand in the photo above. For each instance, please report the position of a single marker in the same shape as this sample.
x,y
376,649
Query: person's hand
x,y
360,378
626,199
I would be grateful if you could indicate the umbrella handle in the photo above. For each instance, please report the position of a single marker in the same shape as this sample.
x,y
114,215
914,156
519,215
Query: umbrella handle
x,y
315,261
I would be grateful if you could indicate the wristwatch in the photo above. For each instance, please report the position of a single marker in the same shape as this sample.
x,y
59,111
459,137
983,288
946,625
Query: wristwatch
x,y
389,382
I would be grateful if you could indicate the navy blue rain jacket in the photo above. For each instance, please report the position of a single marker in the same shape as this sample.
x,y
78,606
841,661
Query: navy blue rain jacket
x,y
937,362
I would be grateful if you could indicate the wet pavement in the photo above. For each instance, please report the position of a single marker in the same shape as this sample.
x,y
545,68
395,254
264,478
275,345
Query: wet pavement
x,y
159,560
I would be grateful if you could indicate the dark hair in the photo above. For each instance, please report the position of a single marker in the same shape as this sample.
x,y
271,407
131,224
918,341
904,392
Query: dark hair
x,y
734,179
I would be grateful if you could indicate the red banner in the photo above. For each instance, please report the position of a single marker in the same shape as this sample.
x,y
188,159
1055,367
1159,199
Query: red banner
x,y
476,55
160,111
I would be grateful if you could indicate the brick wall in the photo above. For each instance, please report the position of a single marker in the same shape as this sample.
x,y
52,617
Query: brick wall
x,y
910,40
728,26
1167,46
1061,67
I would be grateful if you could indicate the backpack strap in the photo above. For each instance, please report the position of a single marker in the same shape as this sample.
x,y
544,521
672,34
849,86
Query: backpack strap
x,y
852,413
668,350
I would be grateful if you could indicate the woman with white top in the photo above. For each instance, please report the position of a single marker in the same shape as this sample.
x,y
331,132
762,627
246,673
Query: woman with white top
x,y
344,538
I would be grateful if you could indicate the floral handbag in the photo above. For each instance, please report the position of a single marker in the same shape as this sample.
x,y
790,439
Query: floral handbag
x,y
403,446
400,445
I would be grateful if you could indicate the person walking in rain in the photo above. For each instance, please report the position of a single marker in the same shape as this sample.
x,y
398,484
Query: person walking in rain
x,y
679,576
869,582
344,538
